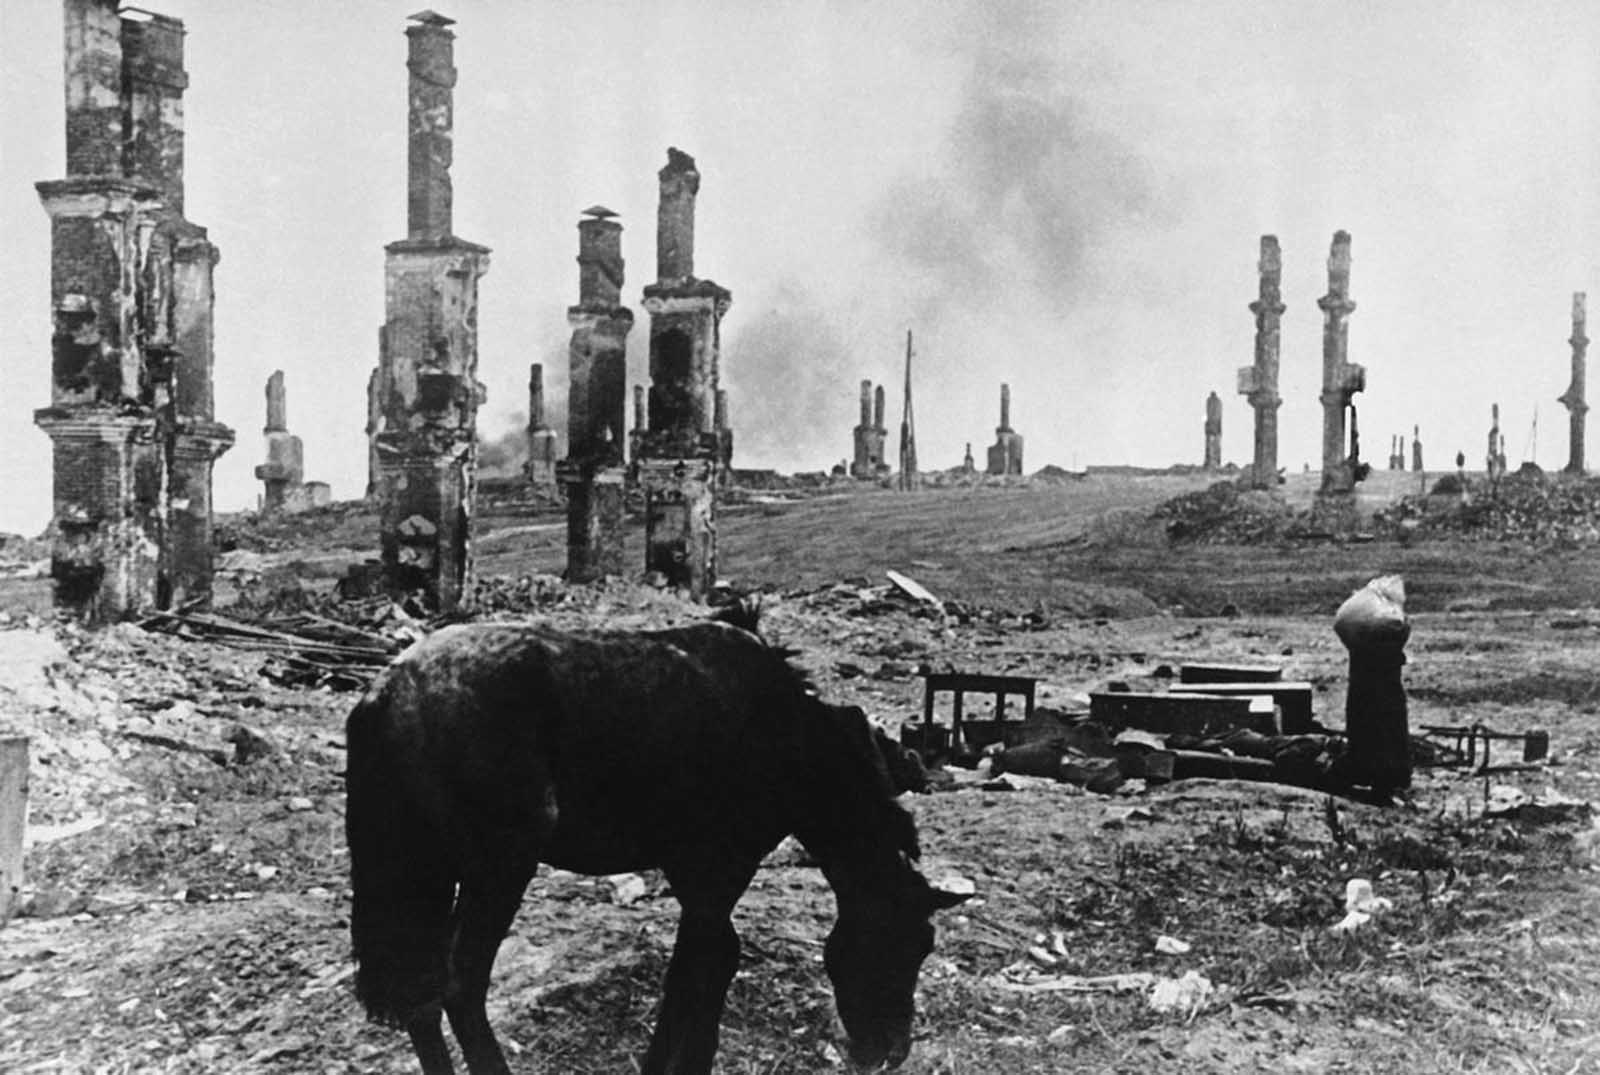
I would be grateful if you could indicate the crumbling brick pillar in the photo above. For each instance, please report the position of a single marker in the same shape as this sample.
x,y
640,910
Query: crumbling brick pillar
x,y
1005,454
682,451
284,470
1258,383
541,465
1416,449
1495,458
1574,398
1341,379
426,394
636,434
1213,446
131,413
593,473
867,462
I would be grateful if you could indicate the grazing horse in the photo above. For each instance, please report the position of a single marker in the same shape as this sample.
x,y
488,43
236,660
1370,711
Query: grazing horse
x,y
487,749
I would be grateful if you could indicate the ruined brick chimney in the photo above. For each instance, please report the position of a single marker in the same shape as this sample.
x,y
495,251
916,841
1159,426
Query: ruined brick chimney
x,y
867,462
1574,398
593,473
541,465
1258,382
1341,379
1213,447
685,449
131,416
1005,454
424,400
284,470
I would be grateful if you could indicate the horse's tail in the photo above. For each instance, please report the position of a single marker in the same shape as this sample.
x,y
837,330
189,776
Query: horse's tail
x,y
401,876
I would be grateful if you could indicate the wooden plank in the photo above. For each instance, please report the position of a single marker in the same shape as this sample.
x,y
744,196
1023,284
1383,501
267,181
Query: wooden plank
x,y
13,819
1293,700
1185,714
1230,673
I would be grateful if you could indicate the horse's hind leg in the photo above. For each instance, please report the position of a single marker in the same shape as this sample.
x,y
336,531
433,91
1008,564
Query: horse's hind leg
x,y
484,911
427,1039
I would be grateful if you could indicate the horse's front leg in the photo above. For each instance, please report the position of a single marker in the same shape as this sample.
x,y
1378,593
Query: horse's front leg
x,y
704,960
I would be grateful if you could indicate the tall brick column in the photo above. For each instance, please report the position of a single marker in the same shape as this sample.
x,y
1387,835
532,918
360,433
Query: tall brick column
x,y
683,450
1258,382
1213,448
541,465
594,473
1005,454
1574,397
426,395
1341,379
131,413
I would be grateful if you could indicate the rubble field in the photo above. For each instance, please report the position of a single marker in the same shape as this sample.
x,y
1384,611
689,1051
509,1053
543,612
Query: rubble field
x,y
186,893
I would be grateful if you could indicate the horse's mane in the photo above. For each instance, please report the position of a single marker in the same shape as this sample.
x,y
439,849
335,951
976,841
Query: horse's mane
x,y
847,765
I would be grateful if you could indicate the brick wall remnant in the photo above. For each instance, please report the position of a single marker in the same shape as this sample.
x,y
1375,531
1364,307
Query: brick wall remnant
x,y
1258,382
1495,457
593,473
1416,449
1213,431
425,396
1005,454
131,417
682,451
1575,397
868,437
1341,379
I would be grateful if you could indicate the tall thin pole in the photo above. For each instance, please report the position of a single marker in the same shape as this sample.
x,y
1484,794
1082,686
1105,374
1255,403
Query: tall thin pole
x,y
909,479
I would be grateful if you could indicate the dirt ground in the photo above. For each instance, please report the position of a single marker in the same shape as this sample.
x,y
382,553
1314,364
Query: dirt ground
x,y
186,896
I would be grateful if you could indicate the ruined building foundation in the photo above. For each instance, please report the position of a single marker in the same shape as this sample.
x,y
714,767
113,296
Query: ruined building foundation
x,y
1341,379
593,473
1213,450
541,465
131,415
1575,397
426,395
683,449
1005,454
869,436
1258,382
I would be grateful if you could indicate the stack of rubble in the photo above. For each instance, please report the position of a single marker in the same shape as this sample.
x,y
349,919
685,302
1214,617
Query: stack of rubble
x,y
1225,514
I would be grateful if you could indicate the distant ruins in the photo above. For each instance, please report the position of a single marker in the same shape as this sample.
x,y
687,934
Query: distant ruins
x,y
1416,449
1575,398
131,417
1005,454
869,436
687,442
540,468
1213,451
593,473
283,475
425,396
909,478
1341,379
1495,457
1259,382
1397,452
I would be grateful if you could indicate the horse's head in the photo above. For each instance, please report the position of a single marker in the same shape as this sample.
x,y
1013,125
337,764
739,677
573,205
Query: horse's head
x,y
873,955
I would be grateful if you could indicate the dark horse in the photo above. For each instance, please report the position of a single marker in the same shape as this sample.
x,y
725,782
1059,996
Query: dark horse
x,y
487,749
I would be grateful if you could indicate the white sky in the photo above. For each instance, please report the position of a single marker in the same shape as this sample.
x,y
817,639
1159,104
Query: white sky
x,y
1068,198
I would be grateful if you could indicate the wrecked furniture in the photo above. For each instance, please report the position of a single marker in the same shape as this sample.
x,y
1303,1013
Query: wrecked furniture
x,y
1190,714
964,738
1467,740
1292,699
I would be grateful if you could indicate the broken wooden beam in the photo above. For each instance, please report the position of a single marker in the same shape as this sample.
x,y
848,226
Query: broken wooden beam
x,y
13,819
1230,673
1293,700
1187,714
1187,764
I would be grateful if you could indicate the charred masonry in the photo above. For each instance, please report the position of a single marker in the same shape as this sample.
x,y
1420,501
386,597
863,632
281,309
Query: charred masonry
x,y
131,412
425,394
